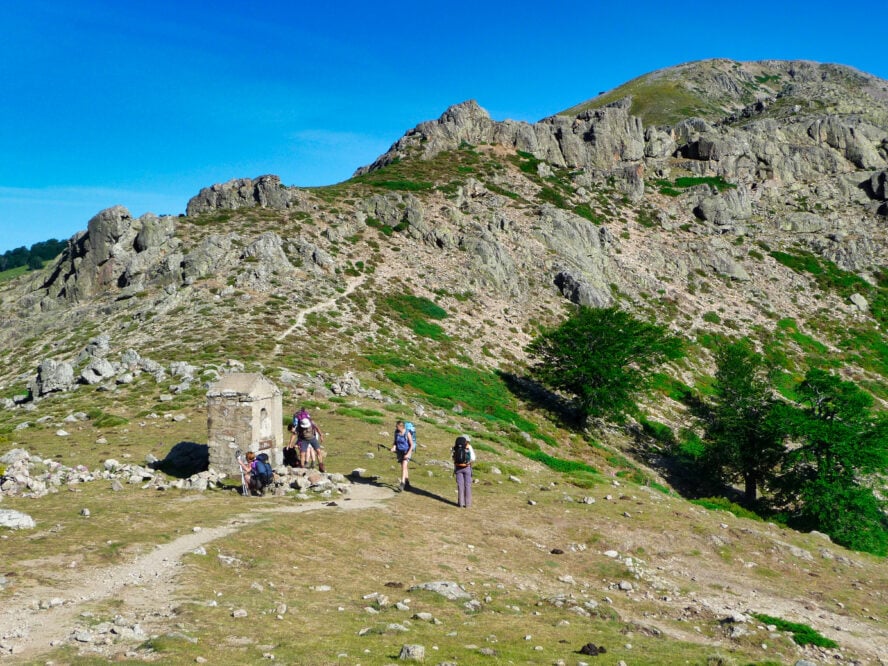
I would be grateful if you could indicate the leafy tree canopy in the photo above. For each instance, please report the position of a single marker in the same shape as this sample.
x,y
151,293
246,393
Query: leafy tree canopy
x,y
601,358
840,444
744,438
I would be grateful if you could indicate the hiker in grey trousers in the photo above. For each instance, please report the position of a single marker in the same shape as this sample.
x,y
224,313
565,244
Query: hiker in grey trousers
x,y
463,472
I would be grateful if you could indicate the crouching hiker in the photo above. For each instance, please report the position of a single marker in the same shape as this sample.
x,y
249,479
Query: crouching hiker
x,y
463,457
257,472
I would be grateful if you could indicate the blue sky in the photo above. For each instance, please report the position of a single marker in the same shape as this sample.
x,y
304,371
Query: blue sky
x,y
142,103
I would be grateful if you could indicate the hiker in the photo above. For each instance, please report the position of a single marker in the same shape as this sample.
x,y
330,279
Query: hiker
x,y
292,452
463,457
403,446
309,438
257,472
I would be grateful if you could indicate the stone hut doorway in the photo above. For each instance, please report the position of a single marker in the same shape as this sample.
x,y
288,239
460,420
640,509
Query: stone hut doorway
x,y
244,411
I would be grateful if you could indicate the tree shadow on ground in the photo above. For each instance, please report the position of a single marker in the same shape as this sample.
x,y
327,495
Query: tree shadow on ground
x,y
184,459
539,396
646,448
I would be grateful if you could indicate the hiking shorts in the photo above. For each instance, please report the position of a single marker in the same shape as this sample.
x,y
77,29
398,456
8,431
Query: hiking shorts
x,y
403,455
305,443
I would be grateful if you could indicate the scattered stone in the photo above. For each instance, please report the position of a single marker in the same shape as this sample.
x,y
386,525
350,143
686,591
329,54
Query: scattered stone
x,y
240,612
84,512
592,650
412,653
16,520
447,589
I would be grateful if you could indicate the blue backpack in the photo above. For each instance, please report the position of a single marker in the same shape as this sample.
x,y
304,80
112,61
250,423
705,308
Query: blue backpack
x,y
401,442
264,473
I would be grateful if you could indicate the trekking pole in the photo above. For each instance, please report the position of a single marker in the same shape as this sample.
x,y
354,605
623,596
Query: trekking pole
x,y
244,490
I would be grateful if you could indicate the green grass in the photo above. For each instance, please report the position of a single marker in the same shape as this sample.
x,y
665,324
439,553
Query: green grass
x,y
552,196
673,188
656,102
802,634
415,313
557,464
585,210
12,273
830,277
723,504
102,419
405,185
481,394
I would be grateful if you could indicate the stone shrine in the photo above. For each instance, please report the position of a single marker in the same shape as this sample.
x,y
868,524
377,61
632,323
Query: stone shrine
x,y
244,411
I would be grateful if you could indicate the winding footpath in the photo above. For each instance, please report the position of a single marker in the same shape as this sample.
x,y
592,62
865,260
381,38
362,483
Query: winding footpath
x,y
146,584
317,307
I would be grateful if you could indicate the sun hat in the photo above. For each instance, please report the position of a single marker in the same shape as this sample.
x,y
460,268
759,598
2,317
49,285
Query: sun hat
x,y
305,423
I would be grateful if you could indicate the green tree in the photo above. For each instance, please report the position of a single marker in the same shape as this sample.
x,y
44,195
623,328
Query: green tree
x,y
841,443
743,439
601,358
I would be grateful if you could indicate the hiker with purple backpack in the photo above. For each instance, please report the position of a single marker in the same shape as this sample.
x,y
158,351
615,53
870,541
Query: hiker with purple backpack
x,y
309,439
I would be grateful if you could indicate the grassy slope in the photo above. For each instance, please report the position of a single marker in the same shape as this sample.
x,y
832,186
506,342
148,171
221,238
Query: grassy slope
x,y
499,549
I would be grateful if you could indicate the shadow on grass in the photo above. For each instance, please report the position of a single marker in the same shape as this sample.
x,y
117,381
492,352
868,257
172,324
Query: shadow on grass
x,y
184,459
538,395
647,448
425,493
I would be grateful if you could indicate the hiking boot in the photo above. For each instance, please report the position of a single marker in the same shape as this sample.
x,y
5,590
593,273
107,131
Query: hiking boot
x,y
400,486
407,484
322,468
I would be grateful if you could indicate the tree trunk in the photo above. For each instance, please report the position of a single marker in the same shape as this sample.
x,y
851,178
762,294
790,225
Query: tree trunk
x,y
750,490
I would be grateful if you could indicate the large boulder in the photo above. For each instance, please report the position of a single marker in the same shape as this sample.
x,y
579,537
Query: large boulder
x,y
98,370
725,208
115,251
54,376
581,292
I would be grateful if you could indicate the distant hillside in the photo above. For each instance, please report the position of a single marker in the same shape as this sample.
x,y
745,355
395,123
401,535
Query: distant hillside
x,y
32,257
719,90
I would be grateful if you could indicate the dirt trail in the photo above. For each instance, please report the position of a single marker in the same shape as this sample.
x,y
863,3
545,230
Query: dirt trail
x,y
317,307
145,584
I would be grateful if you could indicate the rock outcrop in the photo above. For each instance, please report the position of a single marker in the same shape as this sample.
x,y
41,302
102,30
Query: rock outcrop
x,y
602,138
116,251
263,192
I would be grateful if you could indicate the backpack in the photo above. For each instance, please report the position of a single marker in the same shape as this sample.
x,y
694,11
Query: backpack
x,y
301,414
263,472
402,444
409,427
461,455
